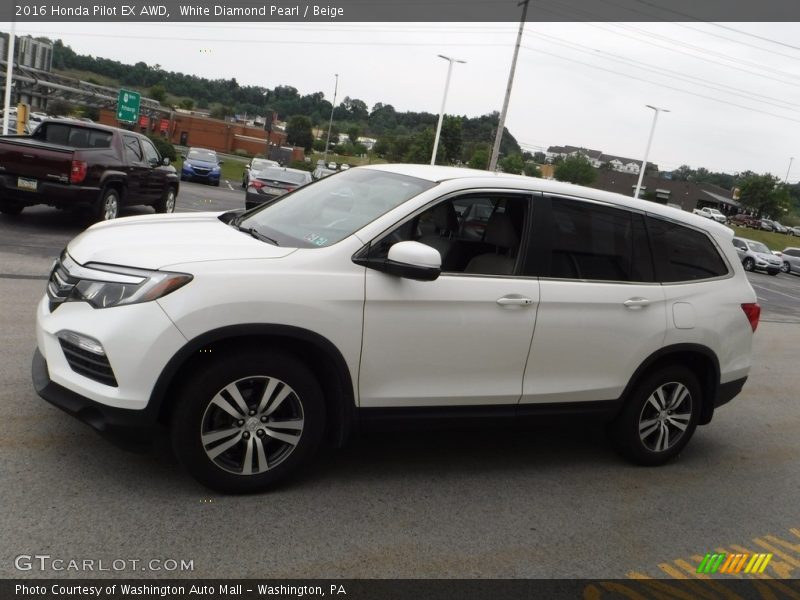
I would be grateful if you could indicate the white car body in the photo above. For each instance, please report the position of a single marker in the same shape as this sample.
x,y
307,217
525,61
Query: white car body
x,y
404,343
710,213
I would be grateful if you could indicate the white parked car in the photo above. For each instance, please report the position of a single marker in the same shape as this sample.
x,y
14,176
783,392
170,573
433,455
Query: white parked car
x,y
394,291
711,213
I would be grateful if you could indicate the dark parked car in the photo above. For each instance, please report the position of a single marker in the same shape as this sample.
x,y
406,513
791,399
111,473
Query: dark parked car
x,y
743,220
200,164
272,183
71,164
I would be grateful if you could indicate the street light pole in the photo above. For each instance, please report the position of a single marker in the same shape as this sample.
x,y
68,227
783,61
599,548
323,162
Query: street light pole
x,y
647,150
450,60
330,123
785,179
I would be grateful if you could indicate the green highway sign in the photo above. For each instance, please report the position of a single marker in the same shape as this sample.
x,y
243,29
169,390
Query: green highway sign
x,y
128,106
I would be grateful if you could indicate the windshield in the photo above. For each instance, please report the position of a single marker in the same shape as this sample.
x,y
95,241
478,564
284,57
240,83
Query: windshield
x,y
758,247
326,212
203,155
282,175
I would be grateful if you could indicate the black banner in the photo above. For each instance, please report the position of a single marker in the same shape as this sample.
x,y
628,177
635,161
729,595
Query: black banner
x,y
404,589
277,11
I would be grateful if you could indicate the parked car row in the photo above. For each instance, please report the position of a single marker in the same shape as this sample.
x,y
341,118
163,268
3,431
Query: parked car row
x,y
755,256
752,222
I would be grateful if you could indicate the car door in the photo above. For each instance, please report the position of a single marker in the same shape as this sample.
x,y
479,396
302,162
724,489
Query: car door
x,y
741,248
462,339
137,169
600,311
156,181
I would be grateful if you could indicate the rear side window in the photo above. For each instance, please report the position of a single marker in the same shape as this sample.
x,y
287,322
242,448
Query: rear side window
x,y
599,243
132,149
75,136
683,254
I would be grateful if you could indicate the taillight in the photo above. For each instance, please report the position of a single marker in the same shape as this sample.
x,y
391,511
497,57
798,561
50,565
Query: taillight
x,y
78,171
290,189
257,184
753,312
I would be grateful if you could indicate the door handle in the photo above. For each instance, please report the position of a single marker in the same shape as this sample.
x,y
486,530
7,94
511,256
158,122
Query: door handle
x,y
636,303
514,301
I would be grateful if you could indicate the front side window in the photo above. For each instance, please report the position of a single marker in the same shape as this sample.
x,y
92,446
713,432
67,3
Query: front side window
x,y
599,243
132,149
331,209
479,234
150,153
682,253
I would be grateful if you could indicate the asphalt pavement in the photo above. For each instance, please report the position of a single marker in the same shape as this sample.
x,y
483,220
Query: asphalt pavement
x,y
547,501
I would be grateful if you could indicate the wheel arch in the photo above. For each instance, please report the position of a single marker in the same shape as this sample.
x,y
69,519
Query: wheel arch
x,y
314,350
701,360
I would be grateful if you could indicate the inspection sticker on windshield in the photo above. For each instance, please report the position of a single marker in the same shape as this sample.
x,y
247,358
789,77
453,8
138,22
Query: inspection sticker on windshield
x,y
315,239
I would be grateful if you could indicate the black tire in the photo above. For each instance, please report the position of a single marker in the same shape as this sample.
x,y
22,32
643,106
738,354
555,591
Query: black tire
x,y
749,264
11,210
216,183
250,372
786,268
639,417
166,204
106,207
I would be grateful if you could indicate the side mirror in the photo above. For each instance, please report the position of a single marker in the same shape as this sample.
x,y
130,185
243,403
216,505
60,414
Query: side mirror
x,y
410,260
165,161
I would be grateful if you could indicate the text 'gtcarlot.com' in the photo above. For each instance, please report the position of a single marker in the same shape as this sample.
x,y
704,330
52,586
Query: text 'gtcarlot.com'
x,y
45,562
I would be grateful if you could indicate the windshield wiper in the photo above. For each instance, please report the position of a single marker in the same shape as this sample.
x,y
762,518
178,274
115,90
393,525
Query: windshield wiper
x,y
258,235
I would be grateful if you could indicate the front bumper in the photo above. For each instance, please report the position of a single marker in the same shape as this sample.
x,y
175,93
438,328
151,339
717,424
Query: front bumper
x,y
130,429
191,175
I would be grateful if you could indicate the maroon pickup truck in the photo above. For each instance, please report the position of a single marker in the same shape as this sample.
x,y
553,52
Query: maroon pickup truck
x,y
66,163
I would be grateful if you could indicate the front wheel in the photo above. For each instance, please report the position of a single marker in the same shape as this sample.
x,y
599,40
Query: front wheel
x,y
660,416
786,268
248,421
749,264
166,204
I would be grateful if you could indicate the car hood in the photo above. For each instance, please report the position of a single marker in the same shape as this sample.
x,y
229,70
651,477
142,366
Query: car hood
x,y
205,164
768,257
157,241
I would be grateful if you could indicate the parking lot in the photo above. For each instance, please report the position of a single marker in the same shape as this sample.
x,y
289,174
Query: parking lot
x,y
547,501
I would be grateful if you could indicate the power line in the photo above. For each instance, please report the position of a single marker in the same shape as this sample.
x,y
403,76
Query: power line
x,y
662,85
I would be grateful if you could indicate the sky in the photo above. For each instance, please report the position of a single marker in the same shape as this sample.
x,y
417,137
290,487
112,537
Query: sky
x,y
732,89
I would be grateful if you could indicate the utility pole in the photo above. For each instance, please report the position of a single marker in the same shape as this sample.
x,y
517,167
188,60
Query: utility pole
x,y
330,123
502,124
647,150
9,71
785,179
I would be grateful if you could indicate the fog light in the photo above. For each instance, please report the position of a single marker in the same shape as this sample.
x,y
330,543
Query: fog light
x,y
83,342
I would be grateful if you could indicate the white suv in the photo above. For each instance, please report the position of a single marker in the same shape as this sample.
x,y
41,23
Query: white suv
x,y
392,292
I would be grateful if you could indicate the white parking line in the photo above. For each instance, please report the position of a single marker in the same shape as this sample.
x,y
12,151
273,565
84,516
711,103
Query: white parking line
x,y
774,291
230,187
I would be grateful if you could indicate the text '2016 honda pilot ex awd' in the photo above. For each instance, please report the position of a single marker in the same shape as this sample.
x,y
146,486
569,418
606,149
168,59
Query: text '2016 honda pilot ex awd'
x,y
395,291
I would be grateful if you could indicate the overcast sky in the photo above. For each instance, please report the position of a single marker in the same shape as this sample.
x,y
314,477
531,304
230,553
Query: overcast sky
x,y
583,84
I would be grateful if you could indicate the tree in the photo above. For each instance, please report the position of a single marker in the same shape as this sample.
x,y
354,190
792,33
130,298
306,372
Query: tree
x,y
480,158
763,195
512,163
539,157
298,132
353,133
450,140
576,169
60,107
531,170
187,103
158,93
221,112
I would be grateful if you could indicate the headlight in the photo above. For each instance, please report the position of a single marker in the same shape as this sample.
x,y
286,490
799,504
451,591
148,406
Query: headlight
x,y
104,286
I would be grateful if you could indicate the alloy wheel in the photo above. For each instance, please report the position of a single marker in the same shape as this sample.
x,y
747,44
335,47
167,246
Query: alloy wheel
x,y
665,416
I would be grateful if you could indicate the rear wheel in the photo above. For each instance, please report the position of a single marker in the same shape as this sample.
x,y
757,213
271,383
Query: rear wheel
x,y
107,207
248,421
166,204
660,416
786,268
749,264
11,210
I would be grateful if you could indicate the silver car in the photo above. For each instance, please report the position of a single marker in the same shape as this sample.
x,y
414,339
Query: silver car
x,y
791,260
756,256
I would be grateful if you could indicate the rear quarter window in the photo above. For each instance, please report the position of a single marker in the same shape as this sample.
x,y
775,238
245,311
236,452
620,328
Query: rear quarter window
x,y
65,134
682,253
